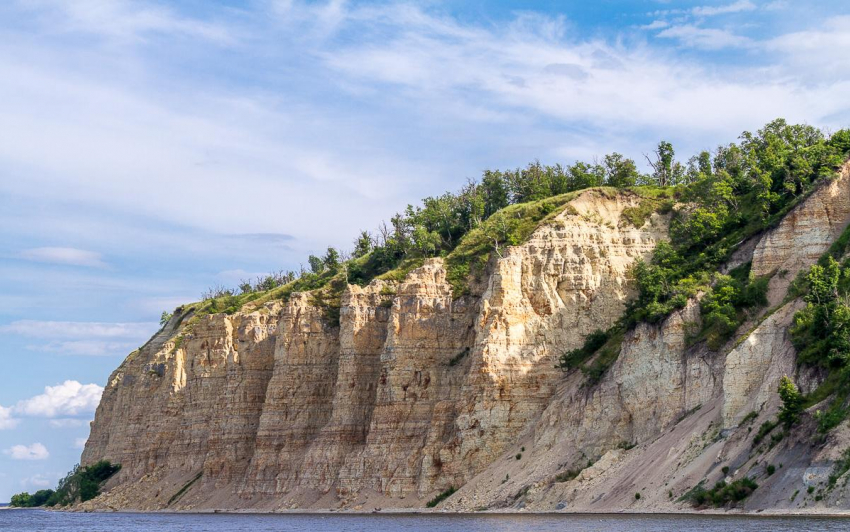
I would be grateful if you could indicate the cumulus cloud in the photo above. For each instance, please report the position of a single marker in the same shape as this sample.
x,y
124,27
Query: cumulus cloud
x,y
36,451
68,256
67,399
6,419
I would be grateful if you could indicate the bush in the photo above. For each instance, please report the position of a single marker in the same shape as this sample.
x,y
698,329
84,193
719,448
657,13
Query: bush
x,y
82,483
21,500
25,500
821,334
441,497
726,304
764,430
592,343
792,402
722,494
842,465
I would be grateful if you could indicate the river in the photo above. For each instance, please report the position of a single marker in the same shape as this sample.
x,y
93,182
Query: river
x,y
44,521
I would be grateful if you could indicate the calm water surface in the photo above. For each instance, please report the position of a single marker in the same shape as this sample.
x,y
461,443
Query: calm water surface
x,y
37,520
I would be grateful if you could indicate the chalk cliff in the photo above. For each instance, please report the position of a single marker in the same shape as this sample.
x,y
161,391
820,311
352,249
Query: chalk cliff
x,y
416,391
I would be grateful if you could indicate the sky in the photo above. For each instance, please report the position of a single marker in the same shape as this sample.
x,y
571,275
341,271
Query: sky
x,y
150,150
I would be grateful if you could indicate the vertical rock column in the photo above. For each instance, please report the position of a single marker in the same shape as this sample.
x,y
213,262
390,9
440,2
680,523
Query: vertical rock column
x,y
298,398
363,331
412,426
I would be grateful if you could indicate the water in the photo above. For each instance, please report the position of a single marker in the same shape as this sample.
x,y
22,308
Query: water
x,y
43,521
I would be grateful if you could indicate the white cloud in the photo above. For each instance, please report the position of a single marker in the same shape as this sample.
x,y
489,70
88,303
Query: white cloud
x,y
124,20
776,5
67,399
436,61
162,133
93,348
69,256
819,53
80,443
36,451
83,338
735,7
67,422
655,25
6,419
79,329
705,38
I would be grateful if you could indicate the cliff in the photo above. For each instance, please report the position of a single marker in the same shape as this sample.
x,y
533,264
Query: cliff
x,y
416,391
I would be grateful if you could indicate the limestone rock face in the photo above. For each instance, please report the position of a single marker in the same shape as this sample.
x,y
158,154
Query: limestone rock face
x,y
753,368
570,279
415,391
189,403
803,235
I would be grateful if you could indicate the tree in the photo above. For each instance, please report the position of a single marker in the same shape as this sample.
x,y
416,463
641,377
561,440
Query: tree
x,y
21,500
362,245
41,497
494,188
164,318
840,141
425,242
665,170
620,172
317,265
583,175
792,401
331,259
823,282
470,210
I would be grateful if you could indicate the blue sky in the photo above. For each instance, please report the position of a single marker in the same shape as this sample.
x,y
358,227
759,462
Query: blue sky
x,y
152,149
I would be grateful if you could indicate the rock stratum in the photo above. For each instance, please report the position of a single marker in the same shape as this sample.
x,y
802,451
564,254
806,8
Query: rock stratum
x,y
415,391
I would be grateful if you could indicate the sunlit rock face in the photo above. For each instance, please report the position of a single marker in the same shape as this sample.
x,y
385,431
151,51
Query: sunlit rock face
x,y
415,391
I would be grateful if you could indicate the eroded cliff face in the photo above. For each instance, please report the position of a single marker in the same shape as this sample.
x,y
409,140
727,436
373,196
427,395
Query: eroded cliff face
x,y
412,393
415,391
